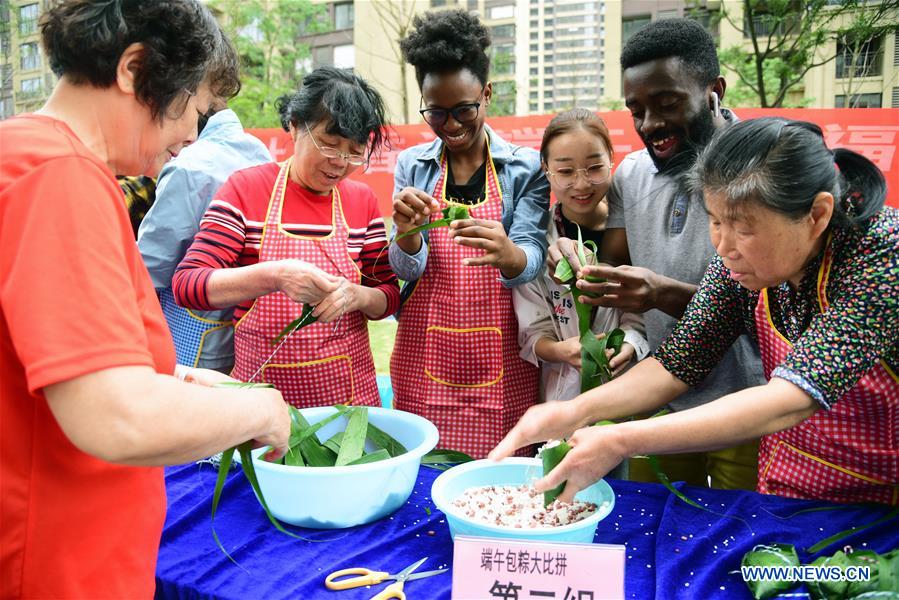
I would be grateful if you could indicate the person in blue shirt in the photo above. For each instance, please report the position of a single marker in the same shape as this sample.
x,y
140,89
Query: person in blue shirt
x,y
186,187
456,358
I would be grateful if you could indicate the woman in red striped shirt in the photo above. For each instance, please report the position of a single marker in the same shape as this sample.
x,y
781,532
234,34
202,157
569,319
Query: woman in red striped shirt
x,y
280,236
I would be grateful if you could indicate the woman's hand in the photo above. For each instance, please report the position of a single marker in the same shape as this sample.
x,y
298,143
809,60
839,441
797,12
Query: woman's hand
x,y
569,351
594,452
277,433
305,283
619,362
206,377
547,421
562,248
411,208
489,236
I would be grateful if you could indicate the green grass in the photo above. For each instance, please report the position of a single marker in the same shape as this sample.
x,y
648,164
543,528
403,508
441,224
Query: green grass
x,y
382,334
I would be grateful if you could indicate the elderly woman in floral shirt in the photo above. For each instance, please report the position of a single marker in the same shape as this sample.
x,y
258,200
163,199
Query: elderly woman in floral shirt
x,y
808,265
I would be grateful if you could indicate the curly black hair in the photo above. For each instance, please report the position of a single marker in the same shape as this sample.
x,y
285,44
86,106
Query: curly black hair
x,y
684,38
183,47
351,106
447,40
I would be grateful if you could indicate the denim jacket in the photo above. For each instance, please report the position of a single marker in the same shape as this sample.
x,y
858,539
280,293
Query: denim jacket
x,y
525,202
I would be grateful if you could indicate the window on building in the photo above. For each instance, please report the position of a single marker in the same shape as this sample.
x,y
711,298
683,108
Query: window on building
x,y
505,11
438,3
631,25
859,59
858,101
533,107
29,57
345,56
534,71
504,59
896,97
502,31
344,16
535,11
547,70
472,5
708,19
28,19
667,14
6,108
896,50
322,56
534,95
30,86
535,47
548,46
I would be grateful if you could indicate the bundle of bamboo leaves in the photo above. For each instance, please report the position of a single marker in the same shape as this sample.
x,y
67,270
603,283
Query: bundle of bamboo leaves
x,y
594,362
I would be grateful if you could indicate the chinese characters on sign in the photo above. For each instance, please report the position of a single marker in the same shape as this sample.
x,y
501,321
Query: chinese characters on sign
x,y
519,569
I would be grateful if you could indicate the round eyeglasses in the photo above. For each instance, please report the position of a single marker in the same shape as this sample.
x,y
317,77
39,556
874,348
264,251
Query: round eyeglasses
x,y
329,152
594,175
462,113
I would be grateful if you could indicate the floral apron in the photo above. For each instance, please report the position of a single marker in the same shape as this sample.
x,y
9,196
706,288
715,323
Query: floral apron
x,y
323,363
456,360
849,453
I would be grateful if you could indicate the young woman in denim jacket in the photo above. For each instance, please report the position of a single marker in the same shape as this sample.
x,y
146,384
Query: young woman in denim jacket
x,y
456,359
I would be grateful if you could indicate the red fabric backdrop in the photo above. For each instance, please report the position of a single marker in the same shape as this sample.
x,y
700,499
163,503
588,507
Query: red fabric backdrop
x,y
871,132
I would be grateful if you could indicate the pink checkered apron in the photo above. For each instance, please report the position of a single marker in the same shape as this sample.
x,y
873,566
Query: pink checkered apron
x,y
456,360
849,453
319,365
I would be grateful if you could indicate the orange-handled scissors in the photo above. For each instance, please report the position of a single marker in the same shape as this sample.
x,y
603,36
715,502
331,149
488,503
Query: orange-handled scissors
x,y
369,577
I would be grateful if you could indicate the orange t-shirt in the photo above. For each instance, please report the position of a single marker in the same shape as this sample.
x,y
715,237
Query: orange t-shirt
x,y
75,298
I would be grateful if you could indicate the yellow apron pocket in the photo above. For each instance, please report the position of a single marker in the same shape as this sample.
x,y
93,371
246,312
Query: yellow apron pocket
x,y
321,382
464,358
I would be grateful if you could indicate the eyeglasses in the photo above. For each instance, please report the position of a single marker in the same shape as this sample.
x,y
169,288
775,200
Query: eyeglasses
x,y
463,113
594,174
329,152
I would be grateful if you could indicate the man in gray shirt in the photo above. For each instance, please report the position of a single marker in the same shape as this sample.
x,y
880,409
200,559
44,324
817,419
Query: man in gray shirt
x,y
658,233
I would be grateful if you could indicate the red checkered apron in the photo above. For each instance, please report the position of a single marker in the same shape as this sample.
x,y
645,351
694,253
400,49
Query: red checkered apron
x,y
319,365
849,453
456,360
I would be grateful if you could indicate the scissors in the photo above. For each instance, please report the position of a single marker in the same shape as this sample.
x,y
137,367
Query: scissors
x,y
369,577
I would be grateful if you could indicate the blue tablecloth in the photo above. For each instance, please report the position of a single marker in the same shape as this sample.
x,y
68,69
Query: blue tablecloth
x,y
673,550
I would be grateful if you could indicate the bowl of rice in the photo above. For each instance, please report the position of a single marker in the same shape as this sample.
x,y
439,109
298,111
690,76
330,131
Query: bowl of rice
x,y
484,498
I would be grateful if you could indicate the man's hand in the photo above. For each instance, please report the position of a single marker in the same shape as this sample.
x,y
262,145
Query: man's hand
x,y
547,421
631,289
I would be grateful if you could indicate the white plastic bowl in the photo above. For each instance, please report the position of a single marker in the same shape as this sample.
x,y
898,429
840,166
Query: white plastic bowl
x,y
339,497
513,471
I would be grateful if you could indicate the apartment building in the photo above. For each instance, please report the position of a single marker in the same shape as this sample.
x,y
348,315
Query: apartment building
x,y
548,55
25,77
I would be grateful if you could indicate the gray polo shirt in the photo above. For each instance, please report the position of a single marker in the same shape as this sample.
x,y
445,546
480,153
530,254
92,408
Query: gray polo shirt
x,y
668,233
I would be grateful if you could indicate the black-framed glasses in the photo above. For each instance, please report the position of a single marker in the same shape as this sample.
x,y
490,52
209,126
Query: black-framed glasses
x,y
329,152
463,113
594,174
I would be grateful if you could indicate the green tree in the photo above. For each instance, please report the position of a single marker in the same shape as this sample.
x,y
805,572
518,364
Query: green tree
x,y
788,38
505,91
268,37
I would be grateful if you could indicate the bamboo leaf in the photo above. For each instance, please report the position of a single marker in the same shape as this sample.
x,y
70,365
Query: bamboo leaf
x,y
563,271
305,318
430,225
294,458
315,454
333,442
552,456
246,462
847,532
382,440
580,246
445,457
353,444
224,467
300,428
376,456
455,212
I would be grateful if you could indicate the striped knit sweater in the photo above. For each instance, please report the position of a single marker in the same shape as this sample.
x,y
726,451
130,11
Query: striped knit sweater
x,y
231,231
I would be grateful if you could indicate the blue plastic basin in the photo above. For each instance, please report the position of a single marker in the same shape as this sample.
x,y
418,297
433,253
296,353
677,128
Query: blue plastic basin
x,y
338,497
513,471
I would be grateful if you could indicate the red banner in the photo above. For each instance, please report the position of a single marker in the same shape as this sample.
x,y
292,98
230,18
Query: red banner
x,y
870,131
